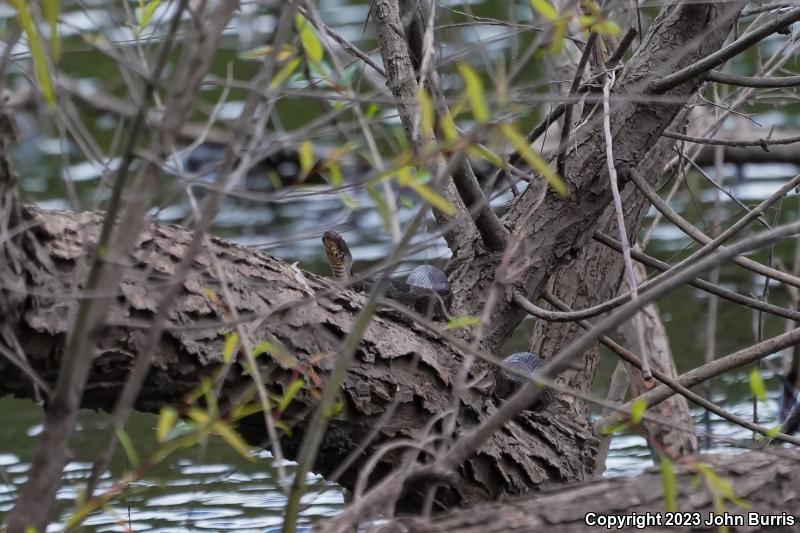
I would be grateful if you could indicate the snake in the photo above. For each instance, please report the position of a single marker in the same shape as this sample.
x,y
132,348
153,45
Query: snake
x,y
425,289
507,382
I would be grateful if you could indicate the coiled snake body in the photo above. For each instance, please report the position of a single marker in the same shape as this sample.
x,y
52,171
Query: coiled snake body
x,y
425,290
507,382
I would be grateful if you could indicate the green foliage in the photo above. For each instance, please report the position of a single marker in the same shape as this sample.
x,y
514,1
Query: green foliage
x,y
596,21
757,385
309,40
464,321
721,490
475,94
51,9
144,14
166,421
230,348
669,483
405,178
593,20
127,445
284,73
426,111
637,410
291,391
36,47
535,160
306,156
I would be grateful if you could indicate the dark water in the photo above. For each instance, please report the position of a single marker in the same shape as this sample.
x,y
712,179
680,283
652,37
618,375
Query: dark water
x,y
211,488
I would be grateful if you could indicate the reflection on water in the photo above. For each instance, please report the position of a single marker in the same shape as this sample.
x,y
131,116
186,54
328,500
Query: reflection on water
x,y
208,488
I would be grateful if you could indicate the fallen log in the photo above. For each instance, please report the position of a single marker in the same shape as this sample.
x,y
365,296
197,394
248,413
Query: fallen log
x,y
398,359
764,482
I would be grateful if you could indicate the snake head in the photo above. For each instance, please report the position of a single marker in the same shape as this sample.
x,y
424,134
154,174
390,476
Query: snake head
x,y
338,255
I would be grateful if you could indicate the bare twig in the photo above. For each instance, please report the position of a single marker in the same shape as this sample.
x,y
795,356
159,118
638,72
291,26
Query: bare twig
x,y
753,81
623,234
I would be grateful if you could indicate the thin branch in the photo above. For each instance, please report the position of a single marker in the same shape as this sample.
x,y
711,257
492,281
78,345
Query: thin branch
x,y
701,284
566,127
677,387
753,81
763,143
709,243
474,439
720,56
316,428
34,504
492,231
623,234
711,370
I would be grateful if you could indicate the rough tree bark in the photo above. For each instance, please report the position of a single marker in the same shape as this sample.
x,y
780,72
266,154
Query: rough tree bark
x,y
768,483
308,317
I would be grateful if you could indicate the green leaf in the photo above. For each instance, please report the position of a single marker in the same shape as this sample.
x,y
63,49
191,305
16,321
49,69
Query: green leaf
x,y
127,445
482,152
372,110
241,411
464,321
474,88
426,193
291,391
545,9
334,409
166,421
264,347
198,415
448,127
559,34
607,27
233,439
615,428
720,486
757,385
284,73
51,10
306,154
669,484
209,395
426,111
773,432
308,39
37,51
144,13
335,172
231,347
381,205
286,52
349,202
534,159
637,410
283,426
